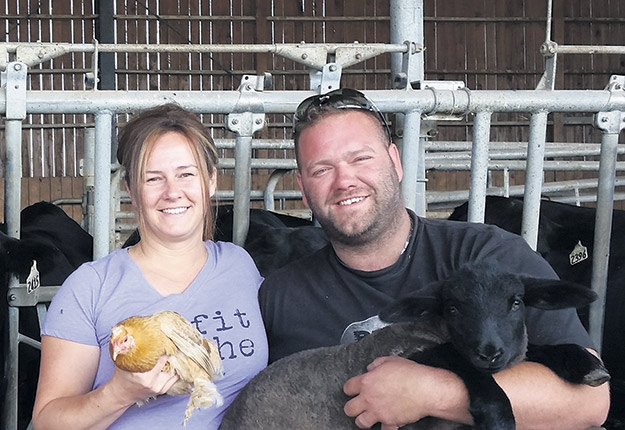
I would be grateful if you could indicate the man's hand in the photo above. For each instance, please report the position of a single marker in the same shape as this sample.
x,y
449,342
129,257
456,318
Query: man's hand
x,y
394,391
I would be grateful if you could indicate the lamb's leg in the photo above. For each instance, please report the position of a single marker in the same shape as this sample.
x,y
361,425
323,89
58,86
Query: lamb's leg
x,y
488,403
570,362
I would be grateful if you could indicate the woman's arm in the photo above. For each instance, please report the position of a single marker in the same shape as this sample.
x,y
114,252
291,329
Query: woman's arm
x,y
64,394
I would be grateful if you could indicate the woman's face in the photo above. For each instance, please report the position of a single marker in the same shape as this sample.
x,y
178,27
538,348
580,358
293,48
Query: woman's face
x,y
171,193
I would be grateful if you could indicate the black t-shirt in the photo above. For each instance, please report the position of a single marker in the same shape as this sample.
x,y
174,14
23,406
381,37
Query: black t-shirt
x,y
319,301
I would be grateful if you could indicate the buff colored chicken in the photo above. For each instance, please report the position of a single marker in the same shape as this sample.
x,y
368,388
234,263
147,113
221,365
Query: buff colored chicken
x,y
138,342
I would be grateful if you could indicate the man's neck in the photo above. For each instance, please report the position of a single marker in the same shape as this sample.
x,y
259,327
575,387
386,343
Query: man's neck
x,y
380,253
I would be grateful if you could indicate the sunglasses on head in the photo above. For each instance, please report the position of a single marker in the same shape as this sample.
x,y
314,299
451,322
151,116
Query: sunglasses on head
x,y
344,98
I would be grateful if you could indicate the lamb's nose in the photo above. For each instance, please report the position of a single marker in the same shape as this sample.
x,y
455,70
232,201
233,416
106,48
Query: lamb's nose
x,y
489,354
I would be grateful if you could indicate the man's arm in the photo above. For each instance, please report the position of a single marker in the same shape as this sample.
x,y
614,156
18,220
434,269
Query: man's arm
x,y
396,391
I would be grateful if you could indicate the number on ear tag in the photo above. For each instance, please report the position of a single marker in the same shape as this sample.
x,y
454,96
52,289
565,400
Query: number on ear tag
x,y
579,254
33,281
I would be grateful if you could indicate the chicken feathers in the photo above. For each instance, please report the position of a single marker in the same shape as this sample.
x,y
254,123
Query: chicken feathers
x,y
138,342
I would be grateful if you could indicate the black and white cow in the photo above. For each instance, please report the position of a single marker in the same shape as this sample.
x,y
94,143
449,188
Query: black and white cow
x,y
58,245
565,240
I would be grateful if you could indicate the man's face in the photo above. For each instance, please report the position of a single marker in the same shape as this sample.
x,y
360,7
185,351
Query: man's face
x,y
349,176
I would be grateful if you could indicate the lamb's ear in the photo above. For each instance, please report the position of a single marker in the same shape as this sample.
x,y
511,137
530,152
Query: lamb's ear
x,y
556,294
409,309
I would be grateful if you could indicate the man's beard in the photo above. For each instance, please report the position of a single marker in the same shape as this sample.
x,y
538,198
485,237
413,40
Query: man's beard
x,y
373,224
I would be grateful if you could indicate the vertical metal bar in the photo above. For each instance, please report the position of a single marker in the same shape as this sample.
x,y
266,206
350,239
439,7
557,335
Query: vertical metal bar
x,y
16,76
102,182
13,177
406,22
479,166
242,187
12,203
549,20
603,229
534,178
413,156
88,173
407,26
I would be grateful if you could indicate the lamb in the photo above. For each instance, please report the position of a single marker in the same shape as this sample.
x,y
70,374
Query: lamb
x,y
472,323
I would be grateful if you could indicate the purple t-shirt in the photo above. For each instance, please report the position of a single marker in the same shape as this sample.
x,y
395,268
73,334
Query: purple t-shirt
x,y
222,302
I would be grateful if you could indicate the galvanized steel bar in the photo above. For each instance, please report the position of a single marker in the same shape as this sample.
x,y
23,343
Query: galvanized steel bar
x,y
102,183
411,156
12,204
425,101
242,187
270,187
458,196
534,178
519,165
15,88
610,123
479,167
312,55
13,176
588,49
88,174
406,26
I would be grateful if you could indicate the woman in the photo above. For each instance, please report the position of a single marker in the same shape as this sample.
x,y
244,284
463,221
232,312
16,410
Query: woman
x,y
171,166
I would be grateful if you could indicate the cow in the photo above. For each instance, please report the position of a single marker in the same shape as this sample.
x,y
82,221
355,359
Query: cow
x,y
273,239
58,245
565,240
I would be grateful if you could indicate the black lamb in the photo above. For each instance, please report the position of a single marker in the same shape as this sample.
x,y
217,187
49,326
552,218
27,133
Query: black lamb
x,y
472,324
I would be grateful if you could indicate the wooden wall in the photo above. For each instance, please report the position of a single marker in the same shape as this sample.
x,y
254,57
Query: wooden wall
x,y
488,44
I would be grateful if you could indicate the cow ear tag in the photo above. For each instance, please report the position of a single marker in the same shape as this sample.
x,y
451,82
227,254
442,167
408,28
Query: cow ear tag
x,y
33,281
579,254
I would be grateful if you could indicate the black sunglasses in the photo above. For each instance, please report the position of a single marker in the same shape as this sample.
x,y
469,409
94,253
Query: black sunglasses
x,y
343,98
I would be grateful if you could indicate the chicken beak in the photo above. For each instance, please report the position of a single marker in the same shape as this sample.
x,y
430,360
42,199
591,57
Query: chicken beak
x,y
115,347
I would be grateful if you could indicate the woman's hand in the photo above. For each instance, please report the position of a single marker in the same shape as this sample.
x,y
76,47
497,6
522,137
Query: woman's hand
x,y
140,386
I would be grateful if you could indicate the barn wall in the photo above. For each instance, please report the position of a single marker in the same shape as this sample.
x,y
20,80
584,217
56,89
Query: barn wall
x,y
485,44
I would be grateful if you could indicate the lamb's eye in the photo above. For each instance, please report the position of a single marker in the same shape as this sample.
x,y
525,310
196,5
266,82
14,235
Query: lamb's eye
x,y
516,305
452,310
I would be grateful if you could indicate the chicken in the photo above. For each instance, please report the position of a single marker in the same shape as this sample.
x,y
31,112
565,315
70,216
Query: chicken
x,y
139,341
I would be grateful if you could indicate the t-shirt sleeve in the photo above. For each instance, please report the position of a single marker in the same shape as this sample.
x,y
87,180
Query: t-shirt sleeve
x,y
71,312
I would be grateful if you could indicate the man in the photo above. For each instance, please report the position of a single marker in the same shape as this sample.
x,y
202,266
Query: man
x,y
349,173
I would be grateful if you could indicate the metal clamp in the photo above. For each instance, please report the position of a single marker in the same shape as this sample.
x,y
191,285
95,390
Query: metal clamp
x,y
16,91
327,80
244,121
549,48
36,53
91,78
612,121
400,80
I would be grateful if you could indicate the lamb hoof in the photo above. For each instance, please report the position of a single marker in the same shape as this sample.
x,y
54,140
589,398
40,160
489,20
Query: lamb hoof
x,y
596,377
